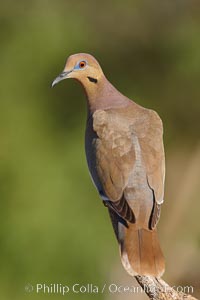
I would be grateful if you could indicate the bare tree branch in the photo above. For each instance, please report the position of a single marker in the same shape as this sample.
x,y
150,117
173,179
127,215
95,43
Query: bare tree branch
x,y
158,289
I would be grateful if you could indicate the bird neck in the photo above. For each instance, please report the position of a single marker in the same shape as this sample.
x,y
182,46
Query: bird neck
x,y
102,95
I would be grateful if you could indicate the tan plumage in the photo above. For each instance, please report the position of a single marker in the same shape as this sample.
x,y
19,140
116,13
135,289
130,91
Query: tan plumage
x,y
125,156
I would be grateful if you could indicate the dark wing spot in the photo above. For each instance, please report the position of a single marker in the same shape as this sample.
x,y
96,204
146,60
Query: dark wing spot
x,y
155,215
122,208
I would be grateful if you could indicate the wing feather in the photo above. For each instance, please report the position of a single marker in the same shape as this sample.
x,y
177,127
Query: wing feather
x,y
115,155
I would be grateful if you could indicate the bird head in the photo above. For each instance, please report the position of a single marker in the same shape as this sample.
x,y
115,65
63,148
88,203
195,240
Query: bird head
x,y
82,67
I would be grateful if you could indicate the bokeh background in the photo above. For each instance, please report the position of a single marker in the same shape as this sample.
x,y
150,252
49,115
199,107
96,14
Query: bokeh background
x,y
53,226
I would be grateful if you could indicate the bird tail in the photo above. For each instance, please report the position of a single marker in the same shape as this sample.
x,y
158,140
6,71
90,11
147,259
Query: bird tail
x,y
139,248
140,252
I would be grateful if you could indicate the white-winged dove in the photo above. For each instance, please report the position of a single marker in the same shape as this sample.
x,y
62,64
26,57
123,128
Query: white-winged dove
x,y
125,155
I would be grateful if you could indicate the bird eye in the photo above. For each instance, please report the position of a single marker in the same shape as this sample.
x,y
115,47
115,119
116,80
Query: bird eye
x,y
82,64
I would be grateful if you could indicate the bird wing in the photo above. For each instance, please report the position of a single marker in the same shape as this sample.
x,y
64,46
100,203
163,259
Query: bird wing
x,y
152,148
151,144
115,158
115,154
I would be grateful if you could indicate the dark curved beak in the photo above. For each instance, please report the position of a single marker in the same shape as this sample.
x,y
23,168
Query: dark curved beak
x,y
62,76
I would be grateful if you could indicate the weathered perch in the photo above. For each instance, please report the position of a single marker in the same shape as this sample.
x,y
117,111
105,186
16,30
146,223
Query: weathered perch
x,y
158,289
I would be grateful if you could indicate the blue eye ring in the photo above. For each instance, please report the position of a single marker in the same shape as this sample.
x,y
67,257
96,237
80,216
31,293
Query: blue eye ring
x,y
81,65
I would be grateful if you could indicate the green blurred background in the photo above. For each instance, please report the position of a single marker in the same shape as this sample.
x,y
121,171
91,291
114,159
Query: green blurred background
x,y
54,228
